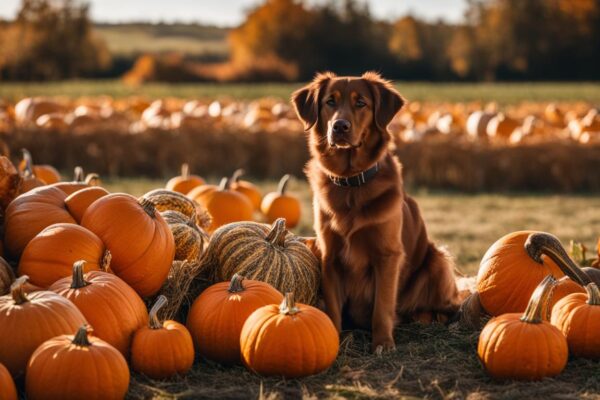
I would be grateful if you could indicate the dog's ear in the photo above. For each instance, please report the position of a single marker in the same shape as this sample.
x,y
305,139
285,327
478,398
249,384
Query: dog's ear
x,y
306,100
387,100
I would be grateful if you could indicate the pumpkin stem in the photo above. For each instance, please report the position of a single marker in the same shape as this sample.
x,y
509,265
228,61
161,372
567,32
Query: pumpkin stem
x,y
283,182
154,323
106,259
148,206
538,301
278,233
185,170
78,280
288,305
17,290
92,179
236,285
593,294
237,174
81,337
224,184
540,243
28,171
79,176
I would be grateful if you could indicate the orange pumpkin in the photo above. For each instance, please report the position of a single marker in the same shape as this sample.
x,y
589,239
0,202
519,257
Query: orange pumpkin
x,y
524,347
508,275
138,238
46,173
246,188
162,350
290,340
223,204
563,287
281,205
50,255
77,367
78,202
30,180
185,182
28,320
112,307
8,391
79,182
218,315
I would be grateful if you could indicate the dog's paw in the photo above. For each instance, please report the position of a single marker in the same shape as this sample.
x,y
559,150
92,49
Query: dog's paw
x,y
381,347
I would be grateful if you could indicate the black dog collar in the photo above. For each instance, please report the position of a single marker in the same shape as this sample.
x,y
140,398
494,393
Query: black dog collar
x,y
356,180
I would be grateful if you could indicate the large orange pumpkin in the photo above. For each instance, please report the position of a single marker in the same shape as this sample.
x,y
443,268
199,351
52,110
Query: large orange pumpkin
x,y
279,204
162,349
77,367
290,340
223,204
524,347
138,238
218,315
8,391
50,255
185,182
114,309
246,188
28,320
508,275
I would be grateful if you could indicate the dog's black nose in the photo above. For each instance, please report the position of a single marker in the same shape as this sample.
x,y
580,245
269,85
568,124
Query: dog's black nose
x,y
341,126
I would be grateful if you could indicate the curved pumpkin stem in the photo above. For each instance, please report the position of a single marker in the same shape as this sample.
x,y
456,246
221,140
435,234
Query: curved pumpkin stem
x,y
224,184
28,171
185,170
17,290
236,286
539,300
154,322
78,281
81,337
237,174
593,294
283,182
288,305
278,233
79,176
106,259
148,206
544,243
92,179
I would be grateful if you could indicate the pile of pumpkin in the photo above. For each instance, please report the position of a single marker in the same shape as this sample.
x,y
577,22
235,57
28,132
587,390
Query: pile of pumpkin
x,y
87,263
543,307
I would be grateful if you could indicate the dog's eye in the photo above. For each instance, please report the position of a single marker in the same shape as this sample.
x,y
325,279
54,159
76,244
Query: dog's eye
x,y
330,102
360,103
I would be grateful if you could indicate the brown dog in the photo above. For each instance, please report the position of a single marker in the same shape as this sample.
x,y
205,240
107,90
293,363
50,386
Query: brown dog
x,y
377,261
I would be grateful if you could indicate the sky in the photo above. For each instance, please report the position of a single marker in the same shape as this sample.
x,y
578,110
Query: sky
x,y
231,12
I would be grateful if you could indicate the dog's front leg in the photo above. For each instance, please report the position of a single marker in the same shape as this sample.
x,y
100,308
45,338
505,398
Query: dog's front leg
x,y
387,269
332,291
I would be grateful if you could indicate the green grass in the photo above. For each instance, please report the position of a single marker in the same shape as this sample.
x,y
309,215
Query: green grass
x,y
503,93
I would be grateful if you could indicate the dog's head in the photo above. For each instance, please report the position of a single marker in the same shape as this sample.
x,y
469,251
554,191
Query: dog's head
x,y
347,115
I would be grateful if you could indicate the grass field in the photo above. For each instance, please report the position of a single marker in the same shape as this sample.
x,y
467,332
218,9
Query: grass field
x,y
503,93
430,361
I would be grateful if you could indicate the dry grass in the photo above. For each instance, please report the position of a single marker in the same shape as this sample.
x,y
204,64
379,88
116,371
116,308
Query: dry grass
x,y
430,361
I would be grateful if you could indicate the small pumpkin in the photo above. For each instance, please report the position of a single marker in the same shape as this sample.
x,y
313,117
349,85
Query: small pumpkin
x,y
77,367
50,255
138,238
281,205
577,315
218,315
114,309
291,340
78,202
46,173
246,188
562,288
223,204
162,350
7,276
8,390
508,275
189,238
185,182
168,200
80,181
246,248
505,344
41,315
29,179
